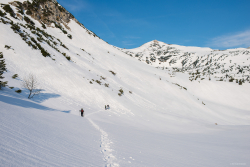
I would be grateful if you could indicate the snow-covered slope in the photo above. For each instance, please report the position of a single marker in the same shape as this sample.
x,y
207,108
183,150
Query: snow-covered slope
x,y
160,118
35,135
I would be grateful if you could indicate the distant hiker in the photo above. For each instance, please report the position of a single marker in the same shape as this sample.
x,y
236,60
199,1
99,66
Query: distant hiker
x,y
82,111
105,107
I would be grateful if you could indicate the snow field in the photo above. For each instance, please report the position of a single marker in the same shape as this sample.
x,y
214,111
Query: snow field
x,y
159,124
32,135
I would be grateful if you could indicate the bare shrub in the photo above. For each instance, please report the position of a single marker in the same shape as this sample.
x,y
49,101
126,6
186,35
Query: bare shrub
x,y
30,83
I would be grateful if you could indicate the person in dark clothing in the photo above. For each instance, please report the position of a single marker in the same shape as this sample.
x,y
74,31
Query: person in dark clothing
x,y
82,111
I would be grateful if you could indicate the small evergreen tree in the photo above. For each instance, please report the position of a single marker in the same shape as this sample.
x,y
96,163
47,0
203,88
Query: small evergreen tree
x,y
9,10
121,92
19,91
15,76
70,36
231,79
240,82
2,70
2,14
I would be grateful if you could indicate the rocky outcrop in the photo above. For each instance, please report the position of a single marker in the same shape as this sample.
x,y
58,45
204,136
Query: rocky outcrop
x,y
47,12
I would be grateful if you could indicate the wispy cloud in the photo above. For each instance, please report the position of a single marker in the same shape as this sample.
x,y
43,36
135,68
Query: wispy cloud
x,y
240,39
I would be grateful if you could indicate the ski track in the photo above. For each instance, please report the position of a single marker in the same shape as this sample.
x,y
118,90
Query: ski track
x,y
105,147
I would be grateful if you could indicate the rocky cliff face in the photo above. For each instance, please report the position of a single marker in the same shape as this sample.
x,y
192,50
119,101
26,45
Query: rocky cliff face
x,y
21,16
46,12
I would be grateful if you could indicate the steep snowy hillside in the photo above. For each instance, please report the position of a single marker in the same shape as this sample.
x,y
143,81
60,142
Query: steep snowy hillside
x,y
230,65
157,117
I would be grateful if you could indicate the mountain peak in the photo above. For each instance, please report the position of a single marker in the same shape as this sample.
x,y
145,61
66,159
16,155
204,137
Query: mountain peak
x,y
188,58
155,41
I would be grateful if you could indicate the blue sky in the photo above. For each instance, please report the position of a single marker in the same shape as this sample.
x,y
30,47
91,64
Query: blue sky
x,y
218,24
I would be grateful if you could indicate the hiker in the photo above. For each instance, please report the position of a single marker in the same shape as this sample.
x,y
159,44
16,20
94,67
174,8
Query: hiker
x,y
82,111
105,107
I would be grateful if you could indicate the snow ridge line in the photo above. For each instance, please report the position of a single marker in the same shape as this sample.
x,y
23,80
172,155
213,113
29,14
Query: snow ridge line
x,y
105,147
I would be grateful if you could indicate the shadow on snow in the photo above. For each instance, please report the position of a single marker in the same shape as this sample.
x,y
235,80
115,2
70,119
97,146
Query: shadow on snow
x,y
41,97
6,98
22,103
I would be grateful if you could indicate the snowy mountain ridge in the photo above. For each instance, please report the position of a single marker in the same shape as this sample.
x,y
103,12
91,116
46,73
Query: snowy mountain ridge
x,y
157,117
228,65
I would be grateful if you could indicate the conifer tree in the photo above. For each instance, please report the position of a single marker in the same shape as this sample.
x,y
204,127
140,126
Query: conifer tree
x,y
2,70
240,82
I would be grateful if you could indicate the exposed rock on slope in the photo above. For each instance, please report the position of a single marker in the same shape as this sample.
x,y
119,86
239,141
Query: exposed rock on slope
x,y
46,12
228,65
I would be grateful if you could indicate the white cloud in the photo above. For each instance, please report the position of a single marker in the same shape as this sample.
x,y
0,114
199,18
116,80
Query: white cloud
x,y
241,39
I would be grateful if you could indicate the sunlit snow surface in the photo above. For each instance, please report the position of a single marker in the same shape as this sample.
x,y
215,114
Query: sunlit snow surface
x,y
157,124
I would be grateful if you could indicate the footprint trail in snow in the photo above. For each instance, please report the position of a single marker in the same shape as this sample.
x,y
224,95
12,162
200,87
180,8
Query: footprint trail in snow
x,y
105,147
